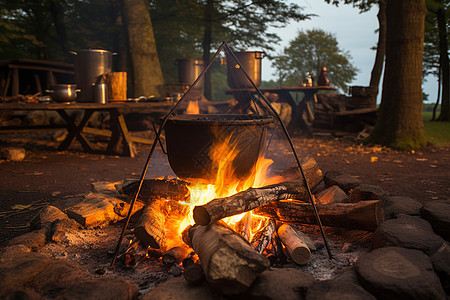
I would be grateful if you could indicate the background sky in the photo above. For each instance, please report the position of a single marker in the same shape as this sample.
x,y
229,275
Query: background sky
x,y
354,31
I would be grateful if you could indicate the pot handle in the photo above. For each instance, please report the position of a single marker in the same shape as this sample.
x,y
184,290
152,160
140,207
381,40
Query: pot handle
x,y
260,55
49,91
159,140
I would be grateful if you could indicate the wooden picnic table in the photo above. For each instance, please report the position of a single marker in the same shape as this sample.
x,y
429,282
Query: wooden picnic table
x,y
118,130
291,95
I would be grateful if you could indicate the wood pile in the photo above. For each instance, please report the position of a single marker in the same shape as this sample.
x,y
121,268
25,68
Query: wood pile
x,y
337,111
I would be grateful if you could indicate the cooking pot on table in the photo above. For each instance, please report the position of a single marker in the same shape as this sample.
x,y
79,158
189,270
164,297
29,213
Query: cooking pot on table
x,y
63,92
190,138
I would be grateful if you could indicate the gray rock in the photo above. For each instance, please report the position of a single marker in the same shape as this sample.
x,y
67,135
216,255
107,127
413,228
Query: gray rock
x,y
13,153
438,214
104,288
344,181
348,276
279,284
397,205
441,265
408,232
366,192
399,273
331,289
61,227
179,289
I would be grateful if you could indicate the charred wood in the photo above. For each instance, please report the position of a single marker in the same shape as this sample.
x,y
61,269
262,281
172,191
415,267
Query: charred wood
x,y
228,260
251,198
156,189
194,274
149,229
263,237
175,255
365,215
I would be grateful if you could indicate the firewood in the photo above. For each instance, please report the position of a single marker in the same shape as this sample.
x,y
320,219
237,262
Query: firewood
x,y
263,237
156,189
365,215
175,255
149,229
251,198
228,261
244,226
297,249
194,274
277,248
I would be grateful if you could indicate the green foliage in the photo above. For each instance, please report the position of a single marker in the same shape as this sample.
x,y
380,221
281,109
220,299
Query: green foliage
x,y
438,133
309,52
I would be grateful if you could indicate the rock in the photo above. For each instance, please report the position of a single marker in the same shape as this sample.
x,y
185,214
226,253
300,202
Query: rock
x,y
48,215
33,240
438,214
37,272
61,227
348,276
366,192
399,273
104,288
179,289
13,153
397,205
331,289
105,187
344,181
333,194
11,252
279,284
408,232
441,265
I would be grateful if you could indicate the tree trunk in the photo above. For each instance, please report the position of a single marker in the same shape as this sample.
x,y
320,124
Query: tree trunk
x,y
146,70
57,12
433,117
207,40
444,64
377,69
399,124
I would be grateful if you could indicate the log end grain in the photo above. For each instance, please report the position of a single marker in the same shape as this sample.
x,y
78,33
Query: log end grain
x,y
201,216
301,256
142,234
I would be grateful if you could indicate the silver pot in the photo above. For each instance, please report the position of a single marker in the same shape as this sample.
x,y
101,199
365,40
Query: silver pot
x,y
63,92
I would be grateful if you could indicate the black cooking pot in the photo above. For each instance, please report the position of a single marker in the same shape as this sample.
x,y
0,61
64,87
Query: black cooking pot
x,y
190,138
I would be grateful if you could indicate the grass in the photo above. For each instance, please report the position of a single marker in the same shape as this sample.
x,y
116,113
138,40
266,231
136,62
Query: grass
x,y
438,133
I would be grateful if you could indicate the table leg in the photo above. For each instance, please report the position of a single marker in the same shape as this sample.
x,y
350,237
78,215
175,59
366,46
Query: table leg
x,y
121,140
75,131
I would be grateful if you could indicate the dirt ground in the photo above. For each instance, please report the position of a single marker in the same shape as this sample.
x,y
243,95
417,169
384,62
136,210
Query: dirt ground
x,y
47,176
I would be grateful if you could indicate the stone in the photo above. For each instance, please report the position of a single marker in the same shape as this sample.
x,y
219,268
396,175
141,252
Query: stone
x,y
408,232
438,214
348,276
279,284
48,215
333,194
105,187
344,181
332,289
13,153
366,192
441,265
180,289
61,227
399,273
33,240
397,205
101,288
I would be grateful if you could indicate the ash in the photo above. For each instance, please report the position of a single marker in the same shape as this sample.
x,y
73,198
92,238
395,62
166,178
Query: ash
x,y
93,250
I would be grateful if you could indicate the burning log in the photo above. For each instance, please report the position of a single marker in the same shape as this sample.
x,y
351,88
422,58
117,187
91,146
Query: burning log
x,y
149,228
277,248
194,274
175,255
251,198
263,237
228,261
296,247
156,189
244,226
365,215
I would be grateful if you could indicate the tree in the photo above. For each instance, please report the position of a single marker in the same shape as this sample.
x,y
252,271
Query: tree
x,y
146,71
399,123
242,23
309,52
436,60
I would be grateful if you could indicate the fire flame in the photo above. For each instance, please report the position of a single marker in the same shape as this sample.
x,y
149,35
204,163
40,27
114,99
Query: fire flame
x,y
193,108
225,185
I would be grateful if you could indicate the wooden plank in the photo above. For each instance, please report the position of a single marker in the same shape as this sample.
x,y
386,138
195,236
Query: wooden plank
x,y
357,111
